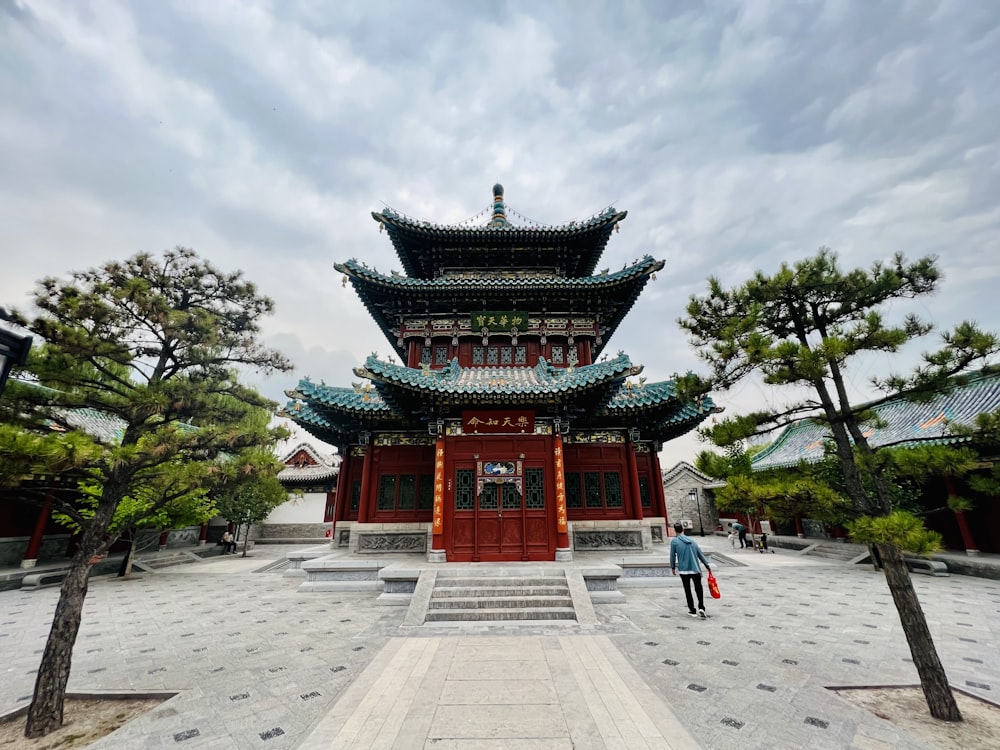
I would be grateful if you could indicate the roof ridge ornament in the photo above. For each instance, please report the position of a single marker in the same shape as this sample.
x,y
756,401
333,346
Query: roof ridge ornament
x,y
499,218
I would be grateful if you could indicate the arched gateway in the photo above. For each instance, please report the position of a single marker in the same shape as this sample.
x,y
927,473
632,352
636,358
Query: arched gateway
x,y
502,436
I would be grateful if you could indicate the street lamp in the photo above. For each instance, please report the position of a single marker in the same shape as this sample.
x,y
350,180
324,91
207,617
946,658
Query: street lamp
x,y
693,495
14,349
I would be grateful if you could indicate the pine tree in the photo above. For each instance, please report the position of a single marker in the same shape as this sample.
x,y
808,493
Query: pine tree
x,y
152,344
801,328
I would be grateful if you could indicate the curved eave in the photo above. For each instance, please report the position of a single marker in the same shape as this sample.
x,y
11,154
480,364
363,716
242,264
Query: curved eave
x,y
655,408
386,297
424,248
541,384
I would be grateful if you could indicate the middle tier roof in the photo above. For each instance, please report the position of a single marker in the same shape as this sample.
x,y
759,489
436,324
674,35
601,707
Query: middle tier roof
x,y
608,295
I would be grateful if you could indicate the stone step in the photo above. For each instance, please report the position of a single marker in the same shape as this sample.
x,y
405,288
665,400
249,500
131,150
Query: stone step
x,y
513,601
155,563
467,581
834,553
500,614
470,591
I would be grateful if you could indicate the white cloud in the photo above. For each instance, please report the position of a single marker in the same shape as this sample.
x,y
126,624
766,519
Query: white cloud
x,y
736,135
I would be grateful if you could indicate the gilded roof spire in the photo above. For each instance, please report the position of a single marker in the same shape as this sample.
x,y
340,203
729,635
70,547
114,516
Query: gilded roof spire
x,y
499,218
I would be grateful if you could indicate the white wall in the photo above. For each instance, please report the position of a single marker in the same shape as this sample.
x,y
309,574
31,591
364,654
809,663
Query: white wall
x,y
306,508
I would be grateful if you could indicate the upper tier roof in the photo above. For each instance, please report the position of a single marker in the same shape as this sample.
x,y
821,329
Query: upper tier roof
x,y
607,295
898,422
399,397
426,250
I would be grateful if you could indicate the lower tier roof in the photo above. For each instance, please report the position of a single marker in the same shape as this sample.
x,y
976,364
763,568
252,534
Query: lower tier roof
x,y
396,397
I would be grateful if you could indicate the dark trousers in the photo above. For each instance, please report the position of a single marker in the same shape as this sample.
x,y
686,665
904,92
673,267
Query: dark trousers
x,y
743,538
687,579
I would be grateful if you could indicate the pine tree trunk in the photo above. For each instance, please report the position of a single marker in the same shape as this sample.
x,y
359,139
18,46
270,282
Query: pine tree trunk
x,y
46,711
45,714
130,556
933,679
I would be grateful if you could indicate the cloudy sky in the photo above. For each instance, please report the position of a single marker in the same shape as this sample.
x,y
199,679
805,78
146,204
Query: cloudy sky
x,y
737,136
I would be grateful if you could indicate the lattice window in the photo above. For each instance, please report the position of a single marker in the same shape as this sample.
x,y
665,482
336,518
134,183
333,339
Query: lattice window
x,y
511,497
488,497
478,355
557,355
574,495
492,356
644,495
425,355
506,355
425,492
613,490
534,489
356,495
387,492
572,357
464,489
520,355
440,355
592,489
407,492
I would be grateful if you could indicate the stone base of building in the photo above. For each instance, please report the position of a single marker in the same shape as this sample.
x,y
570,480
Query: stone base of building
x,y
625,535
383,538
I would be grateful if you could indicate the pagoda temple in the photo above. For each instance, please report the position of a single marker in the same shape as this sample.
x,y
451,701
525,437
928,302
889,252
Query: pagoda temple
x,y
502,433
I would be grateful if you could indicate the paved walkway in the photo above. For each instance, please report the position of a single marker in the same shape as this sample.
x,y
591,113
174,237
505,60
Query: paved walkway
x,y
257,664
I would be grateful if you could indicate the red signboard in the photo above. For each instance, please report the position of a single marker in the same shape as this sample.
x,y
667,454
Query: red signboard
x,y
498,422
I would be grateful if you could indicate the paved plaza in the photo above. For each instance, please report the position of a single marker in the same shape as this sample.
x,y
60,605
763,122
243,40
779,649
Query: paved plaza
x,y
257,664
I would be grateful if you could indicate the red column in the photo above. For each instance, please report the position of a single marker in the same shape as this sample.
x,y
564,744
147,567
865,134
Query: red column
x,y
35,543
437,539
163,539
633,478
661,496
562,529
366,484
203,534
340,500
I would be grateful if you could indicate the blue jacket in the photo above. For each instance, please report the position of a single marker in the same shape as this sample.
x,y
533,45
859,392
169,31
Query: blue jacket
x,y
685,554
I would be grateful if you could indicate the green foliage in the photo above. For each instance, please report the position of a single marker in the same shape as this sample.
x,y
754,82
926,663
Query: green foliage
x,y
923,461
899,528
735,462
152,346
801,327
781,497
248,488
25,454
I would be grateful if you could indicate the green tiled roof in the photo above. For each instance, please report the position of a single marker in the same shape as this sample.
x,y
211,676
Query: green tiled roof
x,y
424,247
609,295
514,382
403,397
902,423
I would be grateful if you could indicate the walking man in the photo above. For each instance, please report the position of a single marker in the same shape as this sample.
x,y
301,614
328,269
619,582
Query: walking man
x,y
685,555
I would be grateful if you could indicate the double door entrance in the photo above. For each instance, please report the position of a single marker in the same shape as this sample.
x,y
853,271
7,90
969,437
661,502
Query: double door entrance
x,y
501,509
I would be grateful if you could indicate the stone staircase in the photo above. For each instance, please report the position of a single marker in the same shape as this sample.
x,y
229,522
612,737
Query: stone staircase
x,y
463,596
837,551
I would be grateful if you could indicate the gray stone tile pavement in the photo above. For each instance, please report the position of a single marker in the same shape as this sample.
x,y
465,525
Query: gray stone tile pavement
x,y
258,664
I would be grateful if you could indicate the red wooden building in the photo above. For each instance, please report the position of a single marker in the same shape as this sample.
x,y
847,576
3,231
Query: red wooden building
x,y
503,433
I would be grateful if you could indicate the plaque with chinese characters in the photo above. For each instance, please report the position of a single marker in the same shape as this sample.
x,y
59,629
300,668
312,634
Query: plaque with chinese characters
x,y
498,422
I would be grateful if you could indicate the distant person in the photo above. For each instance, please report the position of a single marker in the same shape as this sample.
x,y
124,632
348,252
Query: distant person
x,y
685,555
741,531
228,543
732,539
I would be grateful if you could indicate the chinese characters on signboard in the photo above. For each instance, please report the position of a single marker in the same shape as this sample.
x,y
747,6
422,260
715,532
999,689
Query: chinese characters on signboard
x,y
498,422
500,321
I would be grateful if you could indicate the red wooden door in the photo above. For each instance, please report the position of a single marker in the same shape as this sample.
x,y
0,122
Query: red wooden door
x,y
496,520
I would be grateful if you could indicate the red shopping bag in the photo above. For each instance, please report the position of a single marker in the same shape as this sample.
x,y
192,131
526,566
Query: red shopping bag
x,y
713,586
